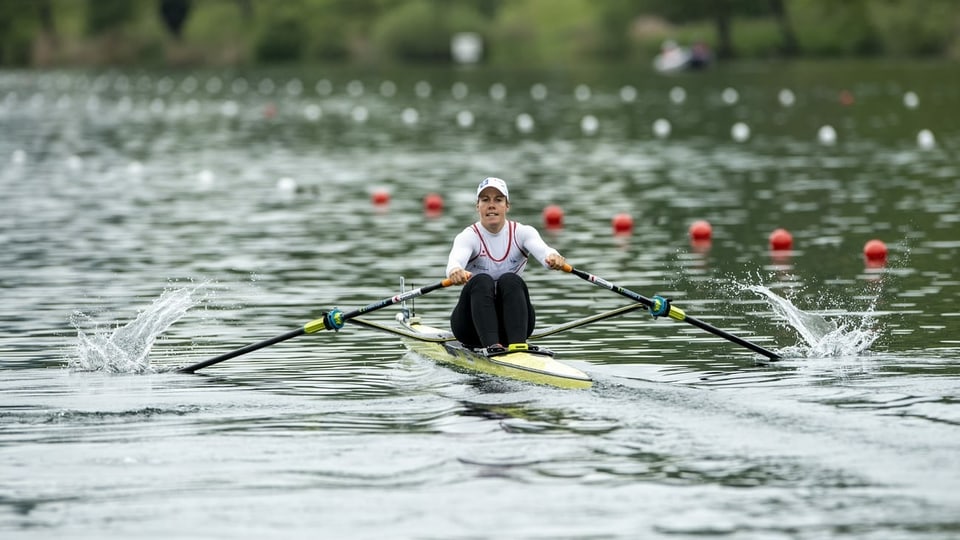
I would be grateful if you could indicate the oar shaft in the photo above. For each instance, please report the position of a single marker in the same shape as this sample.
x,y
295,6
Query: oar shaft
x,y
675,312
249,348
398,298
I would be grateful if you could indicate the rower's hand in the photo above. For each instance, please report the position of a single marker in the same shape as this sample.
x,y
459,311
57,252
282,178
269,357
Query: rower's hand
x,y
459,276
555,261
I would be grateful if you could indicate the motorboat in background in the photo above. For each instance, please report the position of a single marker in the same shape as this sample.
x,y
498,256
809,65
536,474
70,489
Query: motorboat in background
x,y
673,57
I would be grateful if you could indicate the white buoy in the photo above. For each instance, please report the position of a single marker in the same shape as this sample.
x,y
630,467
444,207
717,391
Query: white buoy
x,y
229,108
628,94
312,112
323,87
582,92
786,97
287,185
189,84
911,100
165,85
124,105
730,96
661,128
740,132
678,95
213,86
294,87
355,88
205,179
589,124
498,91
266,87
359,114
465,119
466,47
827,135
459,90
388,88
410,116
926,140
422,89
538,92
525,123
239,86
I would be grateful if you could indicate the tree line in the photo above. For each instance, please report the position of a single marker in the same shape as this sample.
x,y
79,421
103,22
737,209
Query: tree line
x,y
39,33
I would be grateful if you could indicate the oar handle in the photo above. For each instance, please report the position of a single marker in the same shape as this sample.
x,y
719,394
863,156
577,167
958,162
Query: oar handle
x,y
674,313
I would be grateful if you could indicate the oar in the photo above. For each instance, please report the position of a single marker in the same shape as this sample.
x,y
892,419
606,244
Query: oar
x,y
333,320
658,305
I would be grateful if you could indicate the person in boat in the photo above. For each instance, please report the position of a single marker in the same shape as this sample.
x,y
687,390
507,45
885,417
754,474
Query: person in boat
x,y
494,313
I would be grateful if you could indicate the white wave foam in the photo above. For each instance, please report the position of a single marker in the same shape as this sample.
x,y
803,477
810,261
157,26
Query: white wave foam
x,y
126,349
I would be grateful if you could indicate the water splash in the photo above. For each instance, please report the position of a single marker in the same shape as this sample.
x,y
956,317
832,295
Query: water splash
x,y
126,349
824,338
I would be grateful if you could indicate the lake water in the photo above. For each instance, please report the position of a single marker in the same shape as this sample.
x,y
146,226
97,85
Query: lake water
x,y
151,220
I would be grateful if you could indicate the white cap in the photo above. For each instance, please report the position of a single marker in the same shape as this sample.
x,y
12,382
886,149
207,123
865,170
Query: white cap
x,y
496,184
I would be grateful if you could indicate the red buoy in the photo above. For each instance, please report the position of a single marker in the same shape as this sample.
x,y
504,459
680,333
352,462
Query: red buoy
x,y
875,251
781,239
553,217
700,230
433,203
846,98
622,223
380,197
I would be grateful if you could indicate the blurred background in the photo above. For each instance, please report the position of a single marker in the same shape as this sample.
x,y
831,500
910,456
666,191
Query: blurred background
x,y
45,33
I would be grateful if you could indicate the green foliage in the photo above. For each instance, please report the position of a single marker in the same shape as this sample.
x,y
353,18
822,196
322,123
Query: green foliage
x,y
515,32
564,31
757,38
281,36
693,11
216,23
106,15
420,30
16,33
282,40
830,28
906,30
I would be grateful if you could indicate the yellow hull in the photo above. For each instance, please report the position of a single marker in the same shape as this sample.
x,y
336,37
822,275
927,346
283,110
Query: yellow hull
x,y
520,365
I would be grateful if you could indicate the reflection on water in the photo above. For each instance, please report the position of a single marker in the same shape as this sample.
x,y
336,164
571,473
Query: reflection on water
x,y
229,208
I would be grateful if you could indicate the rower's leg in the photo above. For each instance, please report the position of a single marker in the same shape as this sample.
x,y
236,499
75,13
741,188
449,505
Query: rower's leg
x,y
517,317
474,319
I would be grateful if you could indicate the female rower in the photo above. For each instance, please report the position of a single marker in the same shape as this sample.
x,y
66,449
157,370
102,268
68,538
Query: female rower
x,y
494,313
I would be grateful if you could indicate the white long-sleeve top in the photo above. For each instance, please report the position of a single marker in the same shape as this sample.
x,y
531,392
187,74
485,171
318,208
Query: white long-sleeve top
x,y
479,251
